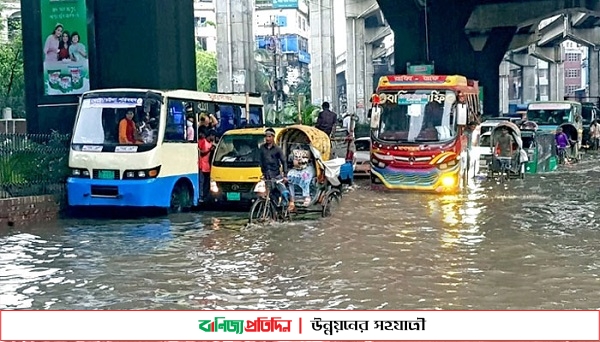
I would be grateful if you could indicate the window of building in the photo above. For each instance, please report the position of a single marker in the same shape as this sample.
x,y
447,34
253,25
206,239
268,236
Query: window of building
x,y
299,22
570,89
572,57
303,44
202,43
303,24
202,22
572,73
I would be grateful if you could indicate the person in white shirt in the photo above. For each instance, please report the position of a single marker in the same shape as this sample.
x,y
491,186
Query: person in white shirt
x,y
349,123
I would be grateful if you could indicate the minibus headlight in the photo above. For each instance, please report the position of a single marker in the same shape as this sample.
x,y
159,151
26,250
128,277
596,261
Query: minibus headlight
x,y
80,173
142,174
213,186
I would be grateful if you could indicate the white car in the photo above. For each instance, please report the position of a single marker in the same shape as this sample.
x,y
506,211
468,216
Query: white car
x,y
362,156
484,151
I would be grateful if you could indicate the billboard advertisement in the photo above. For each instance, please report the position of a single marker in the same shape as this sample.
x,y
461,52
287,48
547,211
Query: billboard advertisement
x,y
65,47
285,3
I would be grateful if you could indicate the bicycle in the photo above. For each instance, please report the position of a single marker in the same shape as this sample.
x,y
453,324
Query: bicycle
x,y
562,155
505,168
266,208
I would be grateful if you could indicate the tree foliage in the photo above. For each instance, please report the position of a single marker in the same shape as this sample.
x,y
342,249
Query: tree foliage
x,y
12,79
206,70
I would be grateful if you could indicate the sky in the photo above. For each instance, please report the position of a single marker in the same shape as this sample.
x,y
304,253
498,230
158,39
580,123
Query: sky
x,y
339,22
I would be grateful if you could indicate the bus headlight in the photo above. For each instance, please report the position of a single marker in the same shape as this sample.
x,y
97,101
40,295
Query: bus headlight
x,y
80,173
213,186
448,181
142,174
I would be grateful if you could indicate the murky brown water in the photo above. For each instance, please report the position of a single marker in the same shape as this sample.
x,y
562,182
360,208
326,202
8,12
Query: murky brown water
x,y
522,245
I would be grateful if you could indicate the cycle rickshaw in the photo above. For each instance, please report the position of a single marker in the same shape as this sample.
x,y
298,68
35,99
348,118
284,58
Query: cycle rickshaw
x,y
510,164
325,186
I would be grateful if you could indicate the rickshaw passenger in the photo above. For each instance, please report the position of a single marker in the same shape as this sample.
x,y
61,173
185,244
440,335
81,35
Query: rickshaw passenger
x,y
273,166
301,174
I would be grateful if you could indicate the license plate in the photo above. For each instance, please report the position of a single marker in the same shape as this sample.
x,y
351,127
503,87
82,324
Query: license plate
x,y
106,174
233,196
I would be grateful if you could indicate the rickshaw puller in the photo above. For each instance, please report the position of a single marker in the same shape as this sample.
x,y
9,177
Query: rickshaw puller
x,y
274,167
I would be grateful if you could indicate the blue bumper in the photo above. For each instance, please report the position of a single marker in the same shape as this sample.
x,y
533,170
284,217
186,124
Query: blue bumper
x,y
125,193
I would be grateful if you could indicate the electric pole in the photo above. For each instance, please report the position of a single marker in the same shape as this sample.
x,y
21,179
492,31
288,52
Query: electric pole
x,y
274,40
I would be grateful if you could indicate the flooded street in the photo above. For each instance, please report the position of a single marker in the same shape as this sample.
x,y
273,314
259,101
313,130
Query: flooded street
x,y
529,244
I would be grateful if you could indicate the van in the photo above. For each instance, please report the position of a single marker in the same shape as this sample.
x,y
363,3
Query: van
x,y
235,169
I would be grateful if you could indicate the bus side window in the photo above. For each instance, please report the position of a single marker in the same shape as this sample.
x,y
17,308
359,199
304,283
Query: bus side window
x,y
194,115
176,122
256,116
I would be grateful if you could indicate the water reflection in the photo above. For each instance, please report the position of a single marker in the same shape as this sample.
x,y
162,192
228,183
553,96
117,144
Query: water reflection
x,y
523,245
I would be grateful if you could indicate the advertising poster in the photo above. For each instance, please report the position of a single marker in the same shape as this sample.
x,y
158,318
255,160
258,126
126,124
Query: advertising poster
x,y
65,47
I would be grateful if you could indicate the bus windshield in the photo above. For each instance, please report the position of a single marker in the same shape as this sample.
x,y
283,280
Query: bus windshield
x,y
99,118
549,117
418,116
238,150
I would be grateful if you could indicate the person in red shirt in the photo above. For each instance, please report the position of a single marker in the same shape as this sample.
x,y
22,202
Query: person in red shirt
x,y
205,147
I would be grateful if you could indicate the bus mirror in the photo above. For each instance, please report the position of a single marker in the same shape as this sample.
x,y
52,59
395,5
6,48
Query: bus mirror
x,y
375,114
461,114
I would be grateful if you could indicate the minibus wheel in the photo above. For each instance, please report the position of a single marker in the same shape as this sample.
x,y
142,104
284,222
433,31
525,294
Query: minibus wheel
x,y
180,198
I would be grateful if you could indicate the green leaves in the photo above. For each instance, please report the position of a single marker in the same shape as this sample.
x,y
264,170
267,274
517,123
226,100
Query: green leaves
x,y
206,71
12,79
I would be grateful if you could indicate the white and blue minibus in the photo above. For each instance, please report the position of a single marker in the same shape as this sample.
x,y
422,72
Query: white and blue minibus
x,y
159,169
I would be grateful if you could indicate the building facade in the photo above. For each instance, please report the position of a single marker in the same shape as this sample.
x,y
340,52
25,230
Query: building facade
x,y
205,18
575,56
282,29
11,19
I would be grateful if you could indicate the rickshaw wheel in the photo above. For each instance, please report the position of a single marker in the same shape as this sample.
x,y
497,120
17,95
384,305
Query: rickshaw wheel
x,y
262,211
332,200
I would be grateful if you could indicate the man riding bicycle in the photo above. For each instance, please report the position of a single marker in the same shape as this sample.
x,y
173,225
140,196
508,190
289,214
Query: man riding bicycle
x,y
562,143
274,167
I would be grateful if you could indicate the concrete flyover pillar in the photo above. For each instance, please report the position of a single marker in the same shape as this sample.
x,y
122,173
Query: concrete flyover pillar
x,y
556,80
322,48
356,58
235,43
476,55
594,71
528,82
504,86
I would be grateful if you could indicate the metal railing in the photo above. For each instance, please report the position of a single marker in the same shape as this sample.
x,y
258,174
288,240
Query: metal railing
x,y
33,164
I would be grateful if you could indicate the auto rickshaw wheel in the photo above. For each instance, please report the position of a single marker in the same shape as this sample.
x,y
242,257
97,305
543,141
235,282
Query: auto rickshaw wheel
x,y
332,201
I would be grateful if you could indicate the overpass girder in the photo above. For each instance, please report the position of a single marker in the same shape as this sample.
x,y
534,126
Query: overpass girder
x,y
520,59
487,16
376,35
588,37
361,8
553,31
548,54
521,41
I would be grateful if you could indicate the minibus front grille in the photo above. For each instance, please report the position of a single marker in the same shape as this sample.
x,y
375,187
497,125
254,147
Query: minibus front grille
x,y
105,191
106,174
236,187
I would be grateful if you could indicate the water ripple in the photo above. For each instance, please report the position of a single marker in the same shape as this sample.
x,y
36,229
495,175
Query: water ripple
x,y
523,245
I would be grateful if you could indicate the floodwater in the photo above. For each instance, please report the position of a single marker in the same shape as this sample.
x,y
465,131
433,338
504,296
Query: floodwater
x,y
529,244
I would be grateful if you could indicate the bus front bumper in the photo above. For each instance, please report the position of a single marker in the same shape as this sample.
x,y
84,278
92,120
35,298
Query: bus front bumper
x,y
121,193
